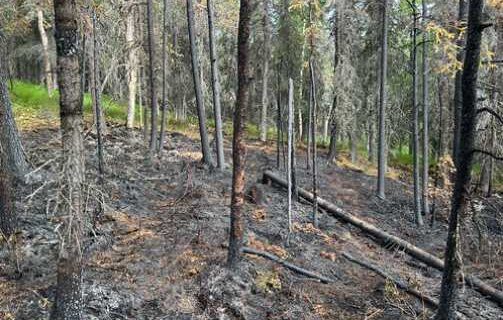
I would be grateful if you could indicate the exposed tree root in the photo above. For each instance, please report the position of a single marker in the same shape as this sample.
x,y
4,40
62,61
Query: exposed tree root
x,y
387,239
287,265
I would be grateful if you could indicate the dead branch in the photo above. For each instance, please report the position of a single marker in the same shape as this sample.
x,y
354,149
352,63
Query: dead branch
x,y
386,239
488,153
399,283
287,265
492,112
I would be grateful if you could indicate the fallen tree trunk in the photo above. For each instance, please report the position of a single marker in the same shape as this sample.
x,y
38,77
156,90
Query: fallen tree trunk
x,y
399,283
287,265
387,239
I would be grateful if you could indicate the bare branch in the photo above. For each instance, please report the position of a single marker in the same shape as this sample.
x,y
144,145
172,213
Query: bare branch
x,y
487,153
492,112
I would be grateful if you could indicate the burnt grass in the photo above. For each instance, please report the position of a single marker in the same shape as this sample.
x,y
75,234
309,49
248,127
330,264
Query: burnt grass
x,y
158,250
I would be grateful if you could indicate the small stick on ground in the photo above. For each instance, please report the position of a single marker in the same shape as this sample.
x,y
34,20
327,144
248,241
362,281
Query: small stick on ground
x,y
287,265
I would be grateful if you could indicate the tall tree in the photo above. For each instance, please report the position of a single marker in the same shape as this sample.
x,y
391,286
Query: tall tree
x,y
151,76
238,143
460,196
9,162
10,141
132,62
68,299
215,85
164,113
201,113
313,108
96,97
381,157
415,117
291,141
458,95
49,81
265,69
425,93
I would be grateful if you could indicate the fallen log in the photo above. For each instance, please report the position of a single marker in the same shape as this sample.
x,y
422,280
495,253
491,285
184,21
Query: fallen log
x,y
399,283
288,265
386,238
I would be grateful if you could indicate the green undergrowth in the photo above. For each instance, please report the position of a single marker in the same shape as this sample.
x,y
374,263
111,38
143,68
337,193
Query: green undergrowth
x,y
32,102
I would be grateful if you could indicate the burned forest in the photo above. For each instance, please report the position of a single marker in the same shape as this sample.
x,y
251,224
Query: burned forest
x,y
251,159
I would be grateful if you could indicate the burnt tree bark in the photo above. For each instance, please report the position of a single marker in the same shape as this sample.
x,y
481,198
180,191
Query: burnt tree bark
x,y
425,93
151,76
313,141
201,113
460,196
238,143
10,142
164,111
68,298
458,95
96,97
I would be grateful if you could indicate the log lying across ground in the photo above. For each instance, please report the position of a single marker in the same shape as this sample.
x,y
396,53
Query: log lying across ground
x,y
286,264
399,283
386,238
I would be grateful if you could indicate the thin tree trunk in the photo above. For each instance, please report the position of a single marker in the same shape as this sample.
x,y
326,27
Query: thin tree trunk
x,y
239,145
461,193
426,133
151,76
313,137
164,111
415,120
96,97
289,165
132,68
215,84
381,148
45,50
279,124
265,70
68,299
201,113
458,95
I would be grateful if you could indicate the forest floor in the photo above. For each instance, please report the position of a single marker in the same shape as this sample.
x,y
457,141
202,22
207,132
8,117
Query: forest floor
x,y
159,250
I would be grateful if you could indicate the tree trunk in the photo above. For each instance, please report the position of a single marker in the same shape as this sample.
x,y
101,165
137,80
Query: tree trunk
x,y
313,137
215,84
415,120
381,148
238,143
96,97
265,70
9,137
458,95
45,50
132,66
68,299
289,165
460,196
201,113
426,133
151,76
164,110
